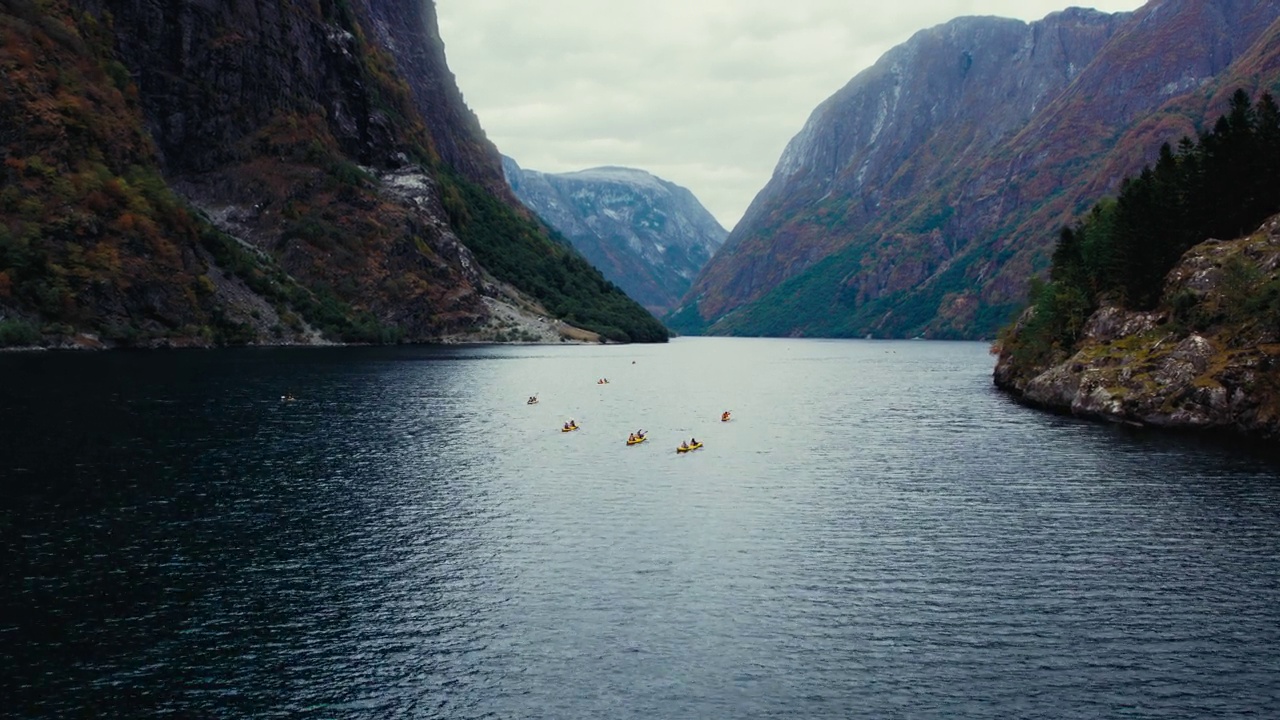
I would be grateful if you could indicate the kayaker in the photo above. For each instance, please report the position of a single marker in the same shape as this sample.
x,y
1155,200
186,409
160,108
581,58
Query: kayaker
x,y
631,437
693,441
684,446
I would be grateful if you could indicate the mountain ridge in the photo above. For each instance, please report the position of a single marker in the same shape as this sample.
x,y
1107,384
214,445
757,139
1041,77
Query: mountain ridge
x,y
919,197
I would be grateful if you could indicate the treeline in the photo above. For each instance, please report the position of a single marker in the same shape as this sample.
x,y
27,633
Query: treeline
x,y
1222,184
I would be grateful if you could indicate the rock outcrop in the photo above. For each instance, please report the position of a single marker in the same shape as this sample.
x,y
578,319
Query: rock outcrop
x,y
648,236
919,198
1207,358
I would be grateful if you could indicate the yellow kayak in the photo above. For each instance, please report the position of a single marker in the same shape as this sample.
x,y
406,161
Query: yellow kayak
x,y
637,441
569,429
690,448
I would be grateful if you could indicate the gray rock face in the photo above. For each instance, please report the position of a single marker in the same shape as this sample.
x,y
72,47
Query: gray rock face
x,y
648,236
410,32
943,100
247,101
211,74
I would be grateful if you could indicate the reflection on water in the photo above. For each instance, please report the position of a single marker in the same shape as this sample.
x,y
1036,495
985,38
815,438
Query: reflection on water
x,y
876,533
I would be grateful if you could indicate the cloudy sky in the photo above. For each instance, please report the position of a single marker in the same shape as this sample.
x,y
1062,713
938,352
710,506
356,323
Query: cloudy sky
x,y
705,93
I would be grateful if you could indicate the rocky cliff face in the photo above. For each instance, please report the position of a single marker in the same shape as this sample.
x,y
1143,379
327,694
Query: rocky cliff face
x,y
919,198
339,184
410,32
648,236
1207,358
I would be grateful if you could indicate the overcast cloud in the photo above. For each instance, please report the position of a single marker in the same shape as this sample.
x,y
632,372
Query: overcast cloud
x,y
705,93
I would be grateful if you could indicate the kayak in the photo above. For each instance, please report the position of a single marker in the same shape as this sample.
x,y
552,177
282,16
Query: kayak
x,y
637,441
688,449
570,429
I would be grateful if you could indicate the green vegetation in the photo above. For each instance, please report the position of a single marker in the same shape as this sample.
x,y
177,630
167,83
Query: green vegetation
x,y
321,308
1221,185
823,301
16,333
687,320
518,251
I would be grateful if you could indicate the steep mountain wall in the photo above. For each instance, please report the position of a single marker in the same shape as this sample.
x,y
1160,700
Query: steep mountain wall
x,y
919,198
410,32
331,195
648,236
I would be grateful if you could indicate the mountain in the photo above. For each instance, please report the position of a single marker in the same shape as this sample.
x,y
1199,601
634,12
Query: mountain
x,y
920,197
648,236
269,172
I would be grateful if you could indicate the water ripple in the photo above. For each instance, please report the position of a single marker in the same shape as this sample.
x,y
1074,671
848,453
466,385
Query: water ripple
x,y
875,534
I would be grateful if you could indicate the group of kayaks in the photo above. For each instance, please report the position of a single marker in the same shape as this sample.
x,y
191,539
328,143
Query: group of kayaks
x,y
636,437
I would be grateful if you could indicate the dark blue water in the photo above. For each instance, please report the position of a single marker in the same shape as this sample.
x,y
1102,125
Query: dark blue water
x,y
875,534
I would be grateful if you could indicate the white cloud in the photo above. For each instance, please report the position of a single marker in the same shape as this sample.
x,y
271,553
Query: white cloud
x,y
705,94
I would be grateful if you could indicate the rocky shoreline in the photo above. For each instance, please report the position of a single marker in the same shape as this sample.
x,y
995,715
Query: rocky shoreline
x,y
1195,363
508,324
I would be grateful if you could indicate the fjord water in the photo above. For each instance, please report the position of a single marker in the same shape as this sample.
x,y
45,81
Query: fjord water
x,y
876,533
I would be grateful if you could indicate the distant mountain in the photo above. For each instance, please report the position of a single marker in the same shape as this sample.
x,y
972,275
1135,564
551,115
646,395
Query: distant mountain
x,y
920,197
649,236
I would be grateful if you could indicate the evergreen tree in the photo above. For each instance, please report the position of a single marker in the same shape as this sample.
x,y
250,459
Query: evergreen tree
x,y
1221,184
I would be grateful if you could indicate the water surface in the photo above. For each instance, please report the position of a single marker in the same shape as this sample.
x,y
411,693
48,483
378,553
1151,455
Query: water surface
x,y
877,533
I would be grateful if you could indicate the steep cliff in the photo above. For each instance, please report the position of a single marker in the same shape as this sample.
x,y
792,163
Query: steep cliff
x,y
919,198
318,191
1208,357
410,33
648,236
